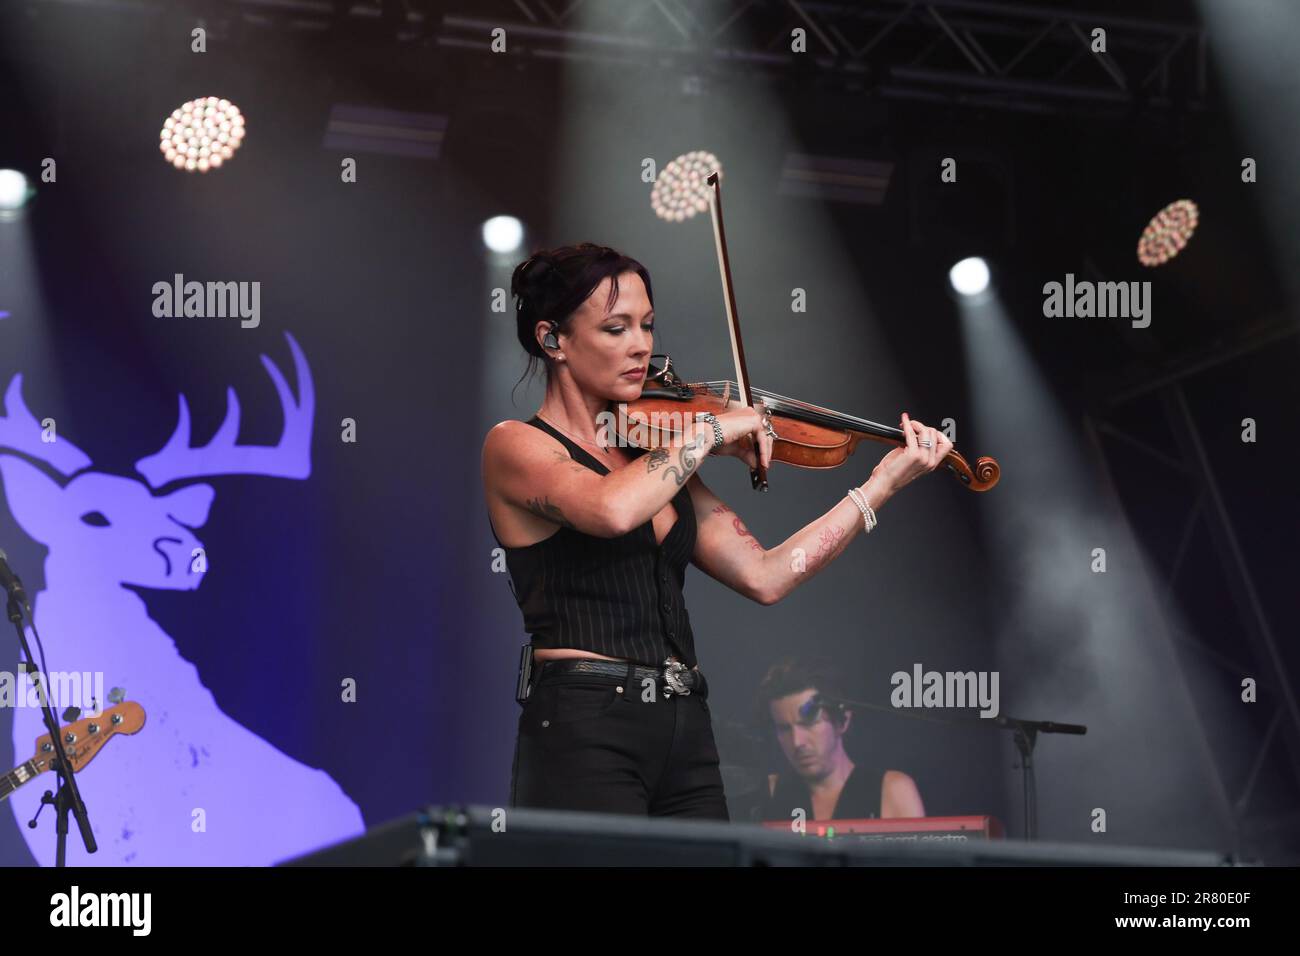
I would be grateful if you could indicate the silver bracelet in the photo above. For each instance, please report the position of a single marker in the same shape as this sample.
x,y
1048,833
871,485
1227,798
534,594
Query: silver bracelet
x,y
717,428
868,515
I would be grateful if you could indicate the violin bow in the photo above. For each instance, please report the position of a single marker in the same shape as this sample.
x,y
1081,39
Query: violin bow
x,y
983,477
758,474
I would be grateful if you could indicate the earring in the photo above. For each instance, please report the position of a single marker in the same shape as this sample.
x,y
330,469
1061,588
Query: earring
x,y
549,341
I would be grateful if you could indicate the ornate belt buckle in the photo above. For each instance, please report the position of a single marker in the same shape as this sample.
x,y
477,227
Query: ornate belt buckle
x,y
675,686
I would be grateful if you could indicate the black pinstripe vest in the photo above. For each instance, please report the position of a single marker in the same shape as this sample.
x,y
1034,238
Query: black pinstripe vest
x,y
621,597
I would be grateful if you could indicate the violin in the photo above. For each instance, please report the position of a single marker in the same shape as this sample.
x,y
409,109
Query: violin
x,y
805,435
808,436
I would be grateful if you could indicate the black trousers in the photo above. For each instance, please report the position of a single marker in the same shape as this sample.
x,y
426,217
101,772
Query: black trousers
x,y
605,744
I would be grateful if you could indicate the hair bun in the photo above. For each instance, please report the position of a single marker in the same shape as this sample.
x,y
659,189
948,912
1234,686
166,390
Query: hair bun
x,y
539,268
536,275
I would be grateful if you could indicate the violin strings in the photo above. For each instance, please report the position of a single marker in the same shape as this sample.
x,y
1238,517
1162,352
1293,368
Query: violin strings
x,y
812,413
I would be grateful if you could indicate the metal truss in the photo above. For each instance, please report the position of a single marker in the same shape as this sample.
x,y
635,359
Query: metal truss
x,y
1010,54
1016,55
1260,654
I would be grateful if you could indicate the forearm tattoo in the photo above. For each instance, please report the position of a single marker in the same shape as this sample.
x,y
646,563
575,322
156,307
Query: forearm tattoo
x,y
686,461
543,508
830,542
655,458
739,526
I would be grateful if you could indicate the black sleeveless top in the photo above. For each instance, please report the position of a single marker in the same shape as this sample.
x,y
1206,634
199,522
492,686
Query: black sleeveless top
x,y
859,800
621,597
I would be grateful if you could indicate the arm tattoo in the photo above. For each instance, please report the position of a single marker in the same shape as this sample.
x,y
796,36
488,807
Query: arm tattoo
x,y
687,460
831,541
739,526
655,458
543,508
574,464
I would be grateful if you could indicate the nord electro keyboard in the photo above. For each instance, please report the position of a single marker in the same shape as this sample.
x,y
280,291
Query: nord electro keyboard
x,y
903,829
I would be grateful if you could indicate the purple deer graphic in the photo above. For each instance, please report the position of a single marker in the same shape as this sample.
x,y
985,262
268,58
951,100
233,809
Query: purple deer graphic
x,y
193,787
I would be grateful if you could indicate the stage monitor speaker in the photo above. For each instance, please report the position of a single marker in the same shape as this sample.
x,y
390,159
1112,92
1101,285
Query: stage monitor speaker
x,y
486,836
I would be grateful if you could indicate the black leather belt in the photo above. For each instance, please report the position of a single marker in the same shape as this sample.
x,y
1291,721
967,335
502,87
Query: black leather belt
x,y
674,677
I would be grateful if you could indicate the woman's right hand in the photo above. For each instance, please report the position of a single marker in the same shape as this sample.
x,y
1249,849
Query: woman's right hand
x,y
742,432
908,462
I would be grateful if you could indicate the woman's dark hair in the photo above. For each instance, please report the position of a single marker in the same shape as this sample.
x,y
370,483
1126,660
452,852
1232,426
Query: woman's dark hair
x,y
550,285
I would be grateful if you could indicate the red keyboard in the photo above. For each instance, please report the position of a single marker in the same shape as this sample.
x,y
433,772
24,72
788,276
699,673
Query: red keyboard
x,y
903,829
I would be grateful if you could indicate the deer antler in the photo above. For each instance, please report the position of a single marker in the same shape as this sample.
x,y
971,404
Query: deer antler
x,y
290,458
20,431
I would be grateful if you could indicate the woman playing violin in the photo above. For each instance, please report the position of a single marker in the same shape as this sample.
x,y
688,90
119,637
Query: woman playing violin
x,y
597,538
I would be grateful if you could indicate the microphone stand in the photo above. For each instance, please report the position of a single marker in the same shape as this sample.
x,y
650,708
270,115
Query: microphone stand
x,y
67,796
1025,733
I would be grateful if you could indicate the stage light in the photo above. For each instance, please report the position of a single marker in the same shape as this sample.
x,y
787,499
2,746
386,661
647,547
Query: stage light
x,y
14,192
1167,233
969,276
202,134
503,234
682,189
